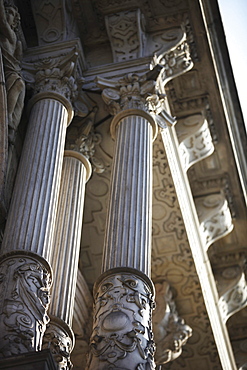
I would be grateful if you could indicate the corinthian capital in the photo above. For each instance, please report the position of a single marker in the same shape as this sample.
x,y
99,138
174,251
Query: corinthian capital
x,y
131,92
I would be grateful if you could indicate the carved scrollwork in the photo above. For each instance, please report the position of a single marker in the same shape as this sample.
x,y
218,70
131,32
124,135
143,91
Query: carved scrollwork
x,y
175,61
122,335
214,216
59,339
232,289
170,331
25,296
194,138
53,74
129,92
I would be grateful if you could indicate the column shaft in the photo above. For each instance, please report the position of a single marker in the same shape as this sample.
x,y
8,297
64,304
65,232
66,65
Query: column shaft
x,y
65,255
27,242
128,231
30,223
67,238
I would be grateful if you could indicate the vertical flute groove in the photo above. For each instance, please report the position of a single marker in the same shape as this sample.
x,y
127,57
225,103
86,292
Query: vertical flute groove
x,y
128,233
66,243
30,220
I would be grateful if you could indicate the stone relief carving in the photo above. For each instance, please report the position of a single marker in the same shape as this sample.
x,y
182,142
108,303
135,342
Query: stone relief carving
x,y
131,91
170,331
214,216
24,292
53,20
53,74
232,289
59,339
126,34
122,334
175,61
194,138
11,49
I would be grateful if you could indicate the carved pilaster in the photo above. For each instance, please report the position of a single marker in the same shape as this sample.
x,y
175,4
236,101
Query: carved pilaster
x,y
170,331
24,299
122,333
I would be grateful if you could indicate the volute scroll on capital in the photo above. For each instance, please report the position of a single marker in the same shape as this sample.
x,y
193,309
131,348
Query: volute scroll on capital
x,y
132,95
54,77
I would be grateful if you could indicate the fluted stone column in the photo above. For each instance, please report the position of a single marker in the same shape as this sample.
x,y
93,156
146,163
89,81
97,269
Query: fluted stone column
x,y
65,255
27,242
124,295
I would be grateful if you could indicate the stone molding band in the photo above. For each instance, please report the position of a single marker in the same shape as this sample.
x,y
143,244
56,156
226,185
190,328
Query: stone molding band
x,y
81,158
132,112
53,96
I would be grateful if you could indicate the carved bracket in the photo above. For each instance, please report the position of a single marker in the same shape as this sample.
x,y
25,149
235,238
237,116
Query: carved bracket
x,y
232,289
195,139
126,33
214,216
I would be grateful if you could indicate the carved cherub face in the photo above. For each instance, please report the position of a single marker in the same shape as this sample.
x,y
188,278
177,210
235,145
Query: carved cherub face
x,y
13,17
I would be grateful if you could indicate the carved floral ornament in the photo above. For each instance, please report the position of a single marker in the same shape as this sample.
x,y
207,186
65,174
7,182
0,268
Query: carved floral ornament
x,y
25,281
53,74
122,332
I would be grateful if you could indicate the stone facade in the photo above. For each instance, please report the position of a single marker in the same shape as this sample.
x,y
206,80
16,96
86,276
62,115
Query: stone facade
x,y
123,188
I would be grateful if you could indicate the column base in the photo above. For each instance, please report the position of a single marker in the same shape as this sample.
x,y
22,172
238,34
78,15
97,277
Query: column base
x,y
41,360
122,335
59,338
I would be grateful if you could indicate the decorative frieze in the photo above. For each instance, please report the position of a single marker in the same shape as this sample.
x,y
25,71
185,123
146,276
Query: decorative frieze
x,y
122,332
195,141
214,216
24,300
170,331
